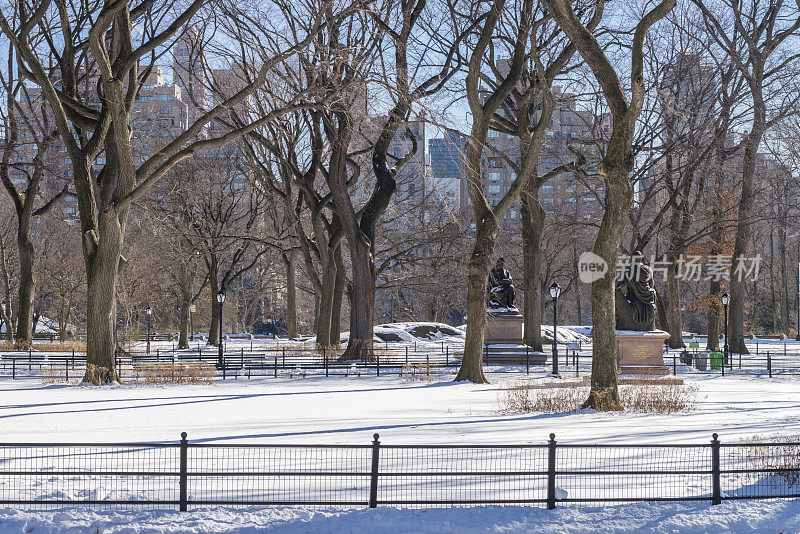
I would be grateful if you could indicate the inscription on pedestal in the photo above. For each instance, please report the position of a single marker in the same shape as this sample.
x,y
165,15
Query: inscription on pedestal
x,y
505,327
641,352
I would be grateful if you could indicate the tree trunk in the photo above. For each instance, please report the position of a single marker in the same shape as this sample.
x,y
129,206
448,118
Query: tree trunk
x,y
743,230
472,363
339,288
102,251
291,295
213,278
27,284
532,226
579,316
362,300
213,329
325,309
619,195
183,325
675,307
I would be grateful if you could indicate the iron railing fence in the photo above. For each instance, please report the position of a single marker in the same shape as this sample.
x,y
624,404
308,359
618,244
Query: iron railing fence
x,y
406,360
184,474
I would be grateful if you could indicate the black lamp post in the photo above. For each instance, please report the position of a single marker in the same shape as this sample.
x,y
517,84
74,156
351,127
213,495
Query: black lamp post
x,y
220,299
726,299
149,311
555,291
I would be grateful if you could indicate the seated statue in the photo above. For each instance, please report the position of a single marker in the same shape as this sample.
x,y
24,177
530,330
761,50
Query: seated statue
x,y
636,297
500,287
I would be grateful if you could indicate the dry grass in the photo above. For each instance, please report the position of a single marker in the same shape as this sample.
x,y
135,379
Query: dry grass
x,y
666,398
560,397
45,346
783,459
543,397
176,373
58,374
67,346
417,371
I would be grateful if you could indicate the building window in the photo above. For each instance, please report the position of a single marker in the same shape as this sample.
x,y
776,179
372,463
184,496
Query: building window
x,y
494,176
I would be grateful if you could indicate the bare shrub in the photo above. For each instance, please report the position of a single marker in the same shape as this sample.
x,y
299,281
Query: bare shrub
x,y
560,397
417,371
666,398
176,373
782,459
544,397
56,374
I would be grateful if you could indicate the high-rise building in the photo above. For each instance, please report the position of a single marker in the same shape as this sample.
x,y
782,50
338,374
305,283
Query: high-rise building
x,y
188,72
446,158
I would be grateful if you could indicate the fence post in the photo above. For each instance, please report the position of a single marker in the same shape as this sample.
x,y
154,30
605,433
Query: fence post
x,y
373,480
182,481
551,473
716,497
769,364
674,365
66,369
325,359
276,366
378,364
527,361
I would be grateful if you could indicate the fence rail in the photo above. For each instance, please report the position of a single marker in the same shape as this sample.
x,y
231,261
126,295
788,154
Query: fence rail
x,y
407,360
184,474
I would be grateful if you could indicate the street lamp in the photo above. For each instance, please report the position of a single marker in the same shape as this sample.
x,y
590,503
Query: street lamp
x,y
220,299
555,292
149,311
725,301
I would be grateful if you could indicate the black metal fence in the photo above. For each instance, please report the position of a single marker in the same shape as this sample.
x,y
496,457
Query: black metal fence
x,y
410,360
184,474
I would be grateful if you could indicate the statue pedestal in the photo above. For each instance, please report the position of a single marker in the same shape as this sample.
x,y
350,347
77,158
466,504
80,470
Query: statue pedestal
x,y
503,325
641,353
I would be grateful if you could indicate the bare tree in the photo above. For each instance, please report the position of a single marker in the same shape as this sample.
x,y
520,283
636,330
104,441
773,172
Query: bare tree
x,y
91,95
615,167
500,29
760,39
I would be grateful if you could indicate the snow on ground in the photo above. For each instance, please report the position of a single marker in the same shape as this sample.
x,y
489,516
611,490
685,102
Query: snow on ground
x,y
743,516
350,409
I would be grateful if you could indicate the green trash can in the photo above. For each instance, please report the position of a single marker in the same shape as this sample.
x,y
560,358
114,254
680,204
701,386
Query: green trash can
x,y
716,360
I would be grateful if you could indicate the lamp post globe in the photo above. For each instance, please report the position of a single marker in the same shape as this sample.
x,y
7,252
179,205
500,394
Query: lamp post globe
x,y
555,292
149,312
220,300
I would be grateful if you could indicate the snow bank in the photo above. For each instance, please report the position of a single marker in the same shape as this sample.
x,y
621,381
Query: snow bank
x,y
687,518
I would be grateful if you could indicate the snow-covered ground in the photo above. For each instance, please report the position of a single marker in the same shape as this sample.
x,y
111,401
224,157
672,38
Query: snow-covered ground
x,y
743,516
349,410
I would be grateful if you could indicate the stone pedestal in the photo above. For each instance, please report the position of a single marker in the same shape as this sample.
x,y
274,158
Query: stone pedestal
x,y
503,325
641,353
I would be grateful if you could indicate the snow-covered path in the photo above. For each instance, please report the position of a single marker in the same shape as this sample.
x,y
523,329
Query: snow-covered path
x,y
350,410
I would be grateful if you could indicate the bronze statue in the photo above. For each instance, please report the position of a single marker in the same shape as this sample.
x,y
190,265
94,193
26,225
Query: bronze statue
x,y
500,287
636,297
